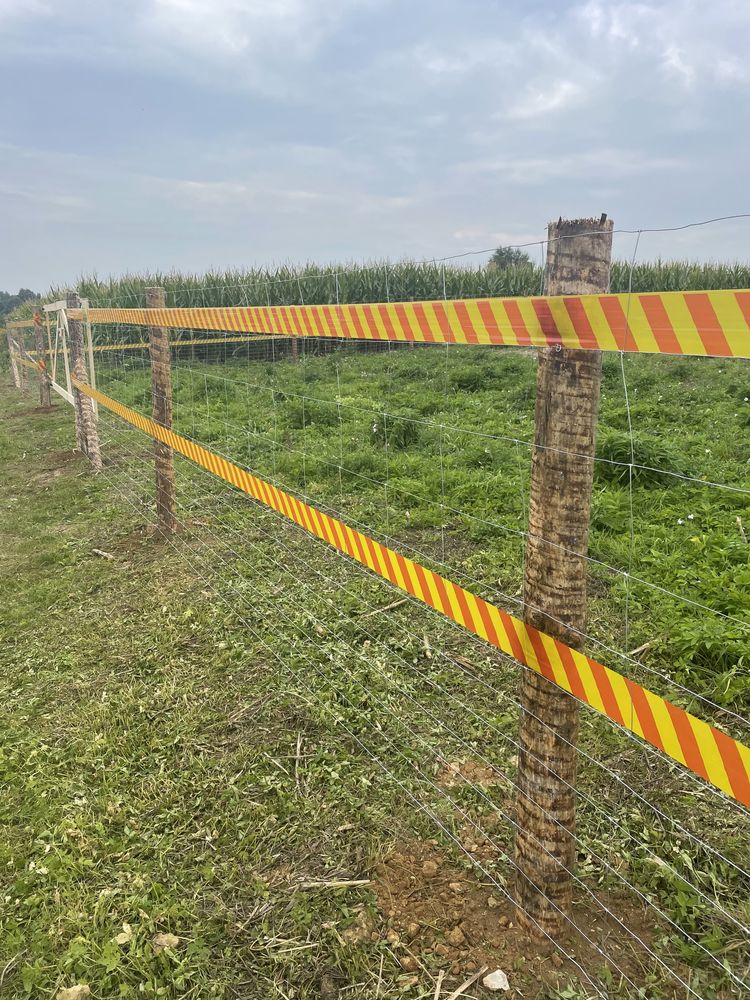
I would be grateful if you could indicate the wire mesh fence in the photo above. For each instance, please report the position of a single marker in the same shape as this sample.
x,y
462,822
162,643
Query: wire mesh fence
x,y
426,449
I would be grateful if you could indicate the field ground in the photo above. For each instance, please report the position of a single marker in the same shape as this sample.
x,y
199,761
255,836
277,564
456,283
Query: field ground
x,y
203,737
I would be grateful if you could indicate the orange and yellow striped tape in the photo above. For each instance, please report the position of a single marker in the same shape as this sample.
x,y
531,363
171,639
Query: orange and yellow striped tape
x,y
20,324
715,323
20,360
695,744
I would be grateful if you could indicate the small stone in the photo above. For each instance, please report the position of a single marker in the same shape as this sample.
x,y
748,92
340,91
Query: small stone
x,y
442,949
556,960
412,930
74,992
493,902
455,887
456,968
456,937
503,921
429,868
392,938
409,963
496,980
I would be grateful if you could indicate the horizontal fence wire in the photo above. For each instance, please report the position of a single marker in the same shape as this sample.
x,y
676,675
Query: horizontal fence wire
x,y
290,414
697,745
133,478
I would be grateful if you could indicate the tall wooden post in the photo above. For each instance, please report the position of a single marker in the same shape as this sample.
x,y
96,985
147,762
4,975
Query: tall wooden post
x,y
14,373
21,350
86,433
44,385
567,403
161,391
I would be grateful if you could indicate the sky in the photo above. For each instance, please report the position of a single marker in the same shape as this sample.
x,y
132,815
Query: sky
x,y
197,134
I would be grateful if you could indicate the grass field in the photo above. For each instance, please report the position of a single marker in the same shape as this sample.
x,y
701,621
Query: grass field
x,y
203,737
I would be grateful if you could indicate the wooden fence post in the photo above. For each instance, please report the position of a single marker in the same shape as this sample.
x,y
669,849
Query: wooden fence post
x,y
21,350
567,403
44,385
161,391
15,377
86,434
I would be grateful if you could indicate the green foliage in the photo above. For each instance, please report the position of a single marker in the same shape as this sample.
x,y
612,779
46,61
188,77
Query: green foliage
x,y
505,257
9,303
395,430
648,455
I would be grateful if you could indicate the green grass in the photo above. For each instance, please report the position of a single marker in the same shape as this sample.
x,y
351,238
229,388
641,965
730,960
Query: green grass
x,y
440,465
190,730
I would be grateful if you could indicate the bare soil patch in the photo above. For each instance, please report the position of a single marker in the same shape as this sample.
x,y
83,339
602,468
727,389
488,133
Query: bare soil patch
x,y
439,915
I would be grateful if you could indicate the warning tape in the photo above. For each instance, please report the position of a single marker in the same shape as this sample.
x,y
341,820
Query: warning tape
x,y
708,752
20,324
20,360
713,323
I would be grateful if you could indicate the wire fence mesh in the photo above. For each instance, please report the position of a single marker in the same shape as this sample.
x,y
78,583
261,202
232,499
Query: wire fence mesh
x,y
427,450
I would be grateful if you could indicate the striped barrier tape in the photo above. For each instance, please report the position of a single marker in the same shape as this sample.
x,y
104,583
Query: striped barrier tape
x,y
705,750
20,324
20,360
715,323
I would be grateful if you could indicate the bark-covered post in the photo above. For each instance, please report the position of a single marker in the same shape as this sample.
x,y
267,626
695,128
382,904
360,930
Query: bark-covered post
x,y
44,385
161,390
567,403
86,433
21,350
14,373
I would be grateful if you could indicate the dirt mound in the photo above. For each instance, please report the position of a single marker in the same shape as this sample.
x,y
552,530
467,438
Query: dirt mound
x,y
439,915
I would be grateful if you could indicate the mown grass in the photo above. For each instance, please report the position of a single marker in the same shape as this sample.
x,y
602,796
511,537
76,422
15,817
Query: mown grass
x,y
148,762
440,464
191,730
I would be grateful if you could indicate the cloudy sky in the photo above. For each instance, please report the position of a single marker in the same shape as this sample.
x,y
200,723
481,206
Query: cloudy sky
x,y
208,133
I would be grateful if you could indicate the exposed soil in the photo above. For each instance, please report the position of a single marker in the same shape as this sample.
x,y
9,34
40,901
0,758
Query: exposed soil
x,y
33,411
55,464
459,772
441,916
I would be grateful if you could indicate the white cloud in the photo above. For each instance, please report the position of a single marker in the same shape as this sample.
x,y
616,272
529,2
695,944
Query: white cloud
x,y
352,128
220,29
537,102
608,164
690,41
23,9
484,236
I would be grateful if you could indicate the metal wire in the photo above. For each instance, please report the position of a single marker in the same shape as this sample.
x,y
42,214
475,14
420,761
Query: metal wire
x,y
311,640
482,586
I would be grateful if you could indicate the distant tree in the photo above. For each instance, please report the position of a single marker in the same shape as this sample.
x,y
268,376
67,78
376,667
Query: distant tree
x,y
509,257
9,302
